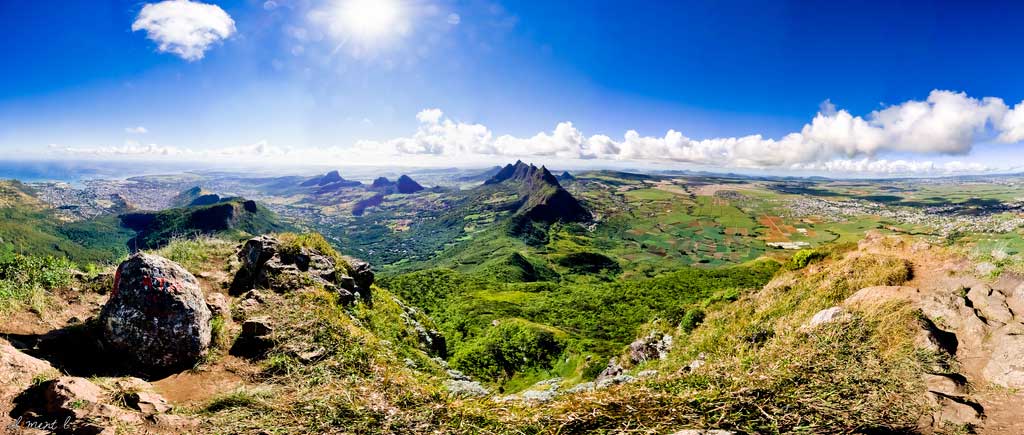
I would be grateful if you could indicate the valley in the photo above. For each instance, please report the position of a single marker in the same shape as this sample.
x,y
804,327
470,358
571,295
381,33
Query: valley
x,y
513,285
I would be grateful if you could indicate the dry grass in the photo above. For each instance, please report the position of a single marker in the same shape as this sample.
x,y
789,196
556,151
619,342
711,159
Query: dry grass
x,y
764,374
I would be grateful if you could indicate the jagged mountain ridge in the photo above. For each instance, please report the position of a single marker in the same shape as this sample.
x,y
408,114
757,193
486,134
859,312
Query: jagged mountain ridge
x,y
543,198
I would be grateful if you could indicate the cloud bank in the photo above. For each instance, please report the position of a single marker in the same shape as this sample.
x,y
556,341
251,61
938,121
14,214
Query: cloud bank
x,y
887,141
184,27
946,123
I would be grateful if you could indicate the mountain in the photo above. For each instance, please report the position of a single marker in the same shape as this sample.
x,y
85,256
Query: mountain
x,y
232,217
382,183
543,198
329,182
185,198
408,185
566,176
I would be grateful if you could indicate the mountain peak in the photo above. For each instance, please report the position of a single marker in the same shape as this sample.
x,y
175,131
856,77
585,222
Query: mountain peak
x,y
407,185
322,180
523,172
382,182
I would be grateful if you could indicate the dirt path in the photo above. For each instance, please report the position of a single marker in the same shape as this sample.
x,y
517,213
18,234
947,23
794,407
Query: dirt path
x,y
981,315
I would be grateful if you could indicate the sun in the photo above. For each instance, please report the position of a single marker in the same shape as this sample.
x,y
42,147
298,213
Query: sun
x,y
368,20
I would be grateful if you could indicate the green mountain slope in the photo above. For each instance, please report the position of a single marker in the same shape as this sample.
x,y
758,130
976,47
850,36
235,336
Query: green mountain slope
x,y
235,218
28,226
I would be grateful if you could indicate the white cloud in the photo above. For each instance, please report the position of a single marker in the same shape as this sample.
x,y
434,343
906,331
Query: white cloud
x,y
894,167
887,141
136,130
454,19
184,27
946,123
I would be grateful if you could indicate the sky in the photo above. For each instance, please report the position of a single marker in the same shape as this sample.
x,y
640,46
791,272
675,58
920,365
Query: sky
x,y
891,88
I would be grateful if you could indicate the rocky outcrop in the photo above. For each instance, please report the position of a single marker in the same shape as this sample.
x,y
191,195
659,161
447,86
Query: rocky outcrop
x,y
256,338
156,315
654,346
972,328
75,405
265,264
68,394
17,373
430,340
157,229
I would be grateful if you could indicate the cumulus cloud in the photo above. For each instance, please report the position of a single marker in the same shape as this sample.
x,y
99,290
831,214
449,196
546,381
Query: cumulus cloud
x,y
136,130
898,139
946,123
893,167
184,27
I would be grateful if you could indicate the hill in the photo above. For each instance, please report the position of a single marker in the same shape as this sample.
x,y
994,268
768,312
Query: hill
x,y
232,218
29,226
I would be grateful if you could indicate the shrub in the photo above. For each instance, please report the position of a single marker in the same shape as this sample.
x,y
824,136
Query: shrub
x,y
804,257
507,349
27,280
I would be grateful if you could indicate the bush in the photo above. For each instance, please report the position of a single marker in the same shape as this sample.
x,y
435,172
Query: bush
x,y
26,280
507,349
804,257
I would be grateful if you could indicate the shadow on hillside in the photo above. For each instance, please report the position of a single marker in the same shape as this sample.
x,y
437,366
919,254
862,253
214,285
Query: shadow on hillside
x,y
77,350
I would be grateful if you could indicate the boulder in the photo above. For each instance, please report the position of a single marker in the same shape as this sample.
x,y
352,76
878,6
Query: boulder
x,y
655,345
828,315
156,315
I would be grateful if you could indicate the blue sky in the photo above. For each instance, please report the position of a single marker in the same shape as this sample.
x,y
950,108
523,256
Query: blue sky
x,y
301,81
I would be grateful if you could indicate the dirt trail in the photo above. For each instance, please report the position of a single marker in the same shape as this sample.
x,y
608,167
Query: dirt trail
x,y
981,315
197,387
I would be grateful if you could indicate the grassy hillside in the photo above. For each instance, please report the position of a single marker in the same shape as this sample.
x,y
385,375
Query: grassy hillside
x,y
233,218
586,317
28,227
